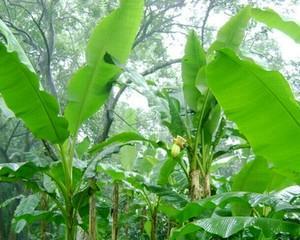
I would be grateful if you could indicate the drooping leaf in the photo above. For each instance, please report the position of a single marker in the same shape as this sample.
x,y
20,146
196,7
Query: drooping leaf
x,y
228,226
262,105
122,138
18,171
90,86
39,215
274,20
208,207
232,33
20,90
194,58
13,45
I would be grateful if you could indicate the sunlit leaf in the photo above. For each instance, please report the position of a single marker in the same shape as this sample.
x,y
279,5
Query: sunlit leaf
x,y
90,86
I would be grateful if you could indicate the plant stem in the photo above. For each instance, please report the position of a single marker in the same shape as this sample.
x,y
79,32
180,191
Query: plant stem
x,y
197,171
154,223
92,217
199,130
195,190
43,226
128,198
205,184
115,212
70,224
142,226
67,163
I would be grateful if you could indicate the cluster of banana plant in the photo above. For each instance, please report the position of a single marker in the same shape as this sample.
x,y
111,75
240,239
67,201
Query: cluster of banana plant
x,y
218,83
63,180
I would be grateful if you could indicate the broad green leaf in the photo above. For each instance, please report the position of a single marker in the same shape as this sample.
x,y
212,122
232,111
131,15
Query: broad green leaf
x,y
18,171
90,86
232,33
20,90
194,58
166,170
228,226
257,176
207,207
122,138
193,209
38,215
13,45
273,20
169,210
262,105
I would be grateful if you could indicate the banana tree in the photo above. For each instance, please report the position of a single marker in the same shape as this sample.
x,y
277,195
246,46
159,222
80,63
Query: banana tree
x,y
262,105
87,91
204,91
264,96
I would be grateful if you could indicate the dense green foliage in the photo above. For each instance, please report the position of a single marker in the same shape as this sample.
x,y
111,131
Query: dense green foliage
x,y
132,185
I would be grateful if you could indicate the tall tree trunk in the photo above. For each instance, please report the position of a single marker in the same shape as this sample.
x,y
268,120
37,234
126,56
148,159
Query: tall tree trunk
x,y
115,212
49,41
12,235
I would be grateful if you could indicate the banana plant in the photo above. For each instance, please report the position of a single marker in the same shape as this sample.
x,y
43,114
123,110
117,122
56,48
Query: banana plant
x,y
262,105
264,96
87,91
202,87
